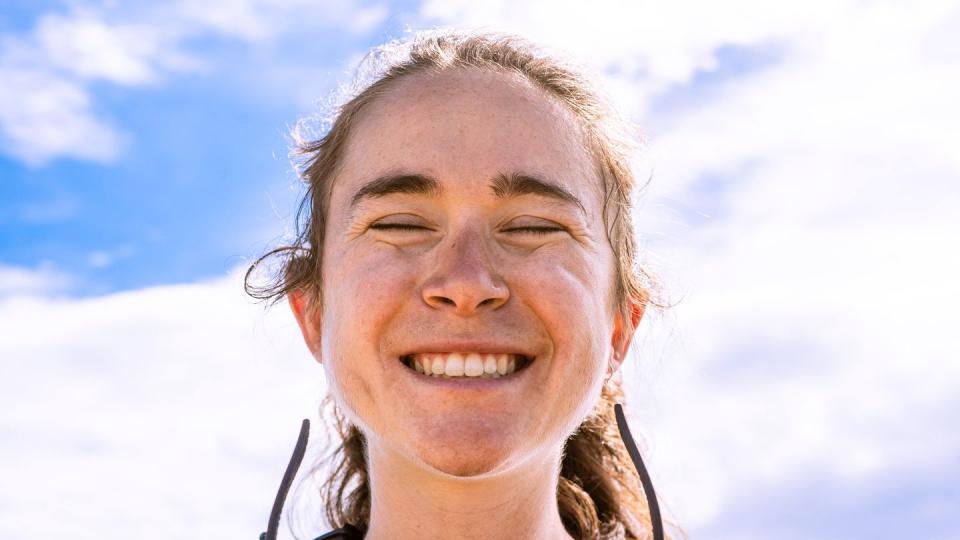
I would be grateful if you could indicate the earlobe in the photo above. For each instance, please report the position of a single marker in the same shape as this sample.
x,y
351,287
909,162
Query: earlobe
x,y
301,304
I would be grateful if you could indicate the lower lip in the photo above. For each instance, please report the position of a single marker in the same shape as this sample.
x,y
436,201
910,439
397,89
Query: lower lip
x,y
465,383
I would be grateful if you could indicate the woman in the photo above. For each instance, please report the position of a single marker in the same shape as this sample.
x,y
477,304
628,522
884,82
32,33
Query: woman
x,y
467,278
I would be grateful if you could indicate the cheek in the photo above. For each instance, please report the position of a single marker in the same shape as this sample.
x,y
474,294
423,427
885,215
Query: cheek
x,y
570,290
362,288
566,276
569,293
363,291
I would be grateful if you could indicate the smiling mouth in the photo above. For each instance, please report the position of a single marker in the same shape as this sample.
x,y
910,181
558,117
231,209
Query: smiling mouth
x,y
466,365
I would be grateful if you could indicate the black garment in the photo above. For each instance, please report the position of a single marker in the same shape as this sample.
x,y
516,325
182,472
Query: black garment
x,y
349,532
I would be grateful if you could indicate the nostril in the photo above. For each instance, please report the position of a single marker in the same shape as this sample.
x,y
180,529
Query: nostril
x,y
464,299
441,300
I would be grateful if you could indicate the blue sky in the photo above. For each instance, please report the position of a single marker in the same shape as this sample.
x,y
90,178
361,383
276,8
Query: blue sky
x,y
201,179
801,218
202,172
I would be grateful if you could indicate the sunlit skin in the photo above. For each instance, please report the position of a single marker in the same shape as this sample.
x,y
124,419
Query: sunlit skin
x,y
455,268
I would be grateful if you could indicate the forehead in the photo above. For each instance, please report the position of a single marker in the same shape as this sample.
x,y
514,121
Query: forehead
x,y
465,126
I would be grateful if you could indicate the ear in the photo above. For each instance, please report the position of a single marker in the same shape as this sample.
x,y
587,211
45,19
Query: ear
x,y
308,318
623,335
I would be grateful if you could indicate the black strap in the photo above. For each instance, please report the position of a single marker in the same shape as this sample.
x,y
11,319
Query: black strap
x,y
655,521
291,471
349,532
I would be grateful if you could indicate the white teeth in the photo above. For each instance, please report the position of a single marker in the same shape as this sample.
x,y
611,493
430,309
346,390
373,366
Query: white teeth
x,y
502,364
473,365
454,365
488,366
438,364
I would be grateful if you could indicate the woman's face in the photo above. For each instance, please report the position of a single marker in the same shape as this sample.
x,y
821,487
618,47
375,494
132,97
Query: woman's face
x,y
467,219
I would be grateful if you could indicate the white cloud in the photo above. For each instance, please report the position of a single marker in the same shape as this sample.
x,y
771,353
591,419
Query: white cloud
x,y
47,108
163,413
265,19
804,208
662,44
93,49
44,280
103,258
43,115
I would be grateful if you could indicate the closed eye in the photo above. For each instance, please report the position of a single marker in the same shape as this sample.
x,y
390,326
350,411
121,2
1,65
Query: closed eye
x,y
397,227
537,231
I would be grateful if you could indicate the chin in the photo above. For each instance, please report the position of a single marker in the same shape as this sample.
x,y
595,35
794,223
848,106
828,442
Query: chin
x,y
464,452
463,468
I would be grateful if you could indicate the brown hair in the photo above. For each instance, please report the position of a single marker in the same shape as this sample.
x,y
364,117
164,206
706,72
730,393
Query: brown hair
x,y
598,494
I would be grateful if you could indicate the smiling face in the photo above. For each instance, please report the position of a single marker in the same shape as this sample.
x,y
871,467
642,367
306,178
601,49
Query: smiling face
x,y
466,218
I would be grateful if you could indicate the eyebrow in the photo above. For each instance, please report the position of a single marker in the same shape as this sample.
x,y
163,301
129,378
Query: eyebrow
x,y
397,183
503,186
516,184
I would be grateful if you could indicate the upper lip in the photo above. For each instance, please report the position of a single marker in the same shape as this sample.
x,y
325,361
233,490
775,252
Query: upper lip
x,y
482,347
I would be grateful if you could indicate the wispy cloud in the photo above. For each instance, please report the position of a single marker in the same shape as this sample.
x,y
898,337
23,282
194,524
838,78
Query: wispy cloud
x,y
48,108
103,258
43,115
41,281
257,20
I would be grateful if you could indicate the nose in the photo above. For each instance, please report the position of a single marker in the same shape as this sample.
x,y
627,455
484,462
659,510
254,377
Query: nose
x,y
465,280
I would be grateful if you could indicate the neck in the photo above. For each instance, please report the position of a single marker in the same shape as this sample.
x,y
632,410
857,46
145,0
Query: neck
x,y
409,501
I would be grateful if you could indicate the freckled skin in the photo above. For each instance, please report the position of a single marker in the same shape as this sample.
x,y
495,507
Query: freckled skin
x,y
467,273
